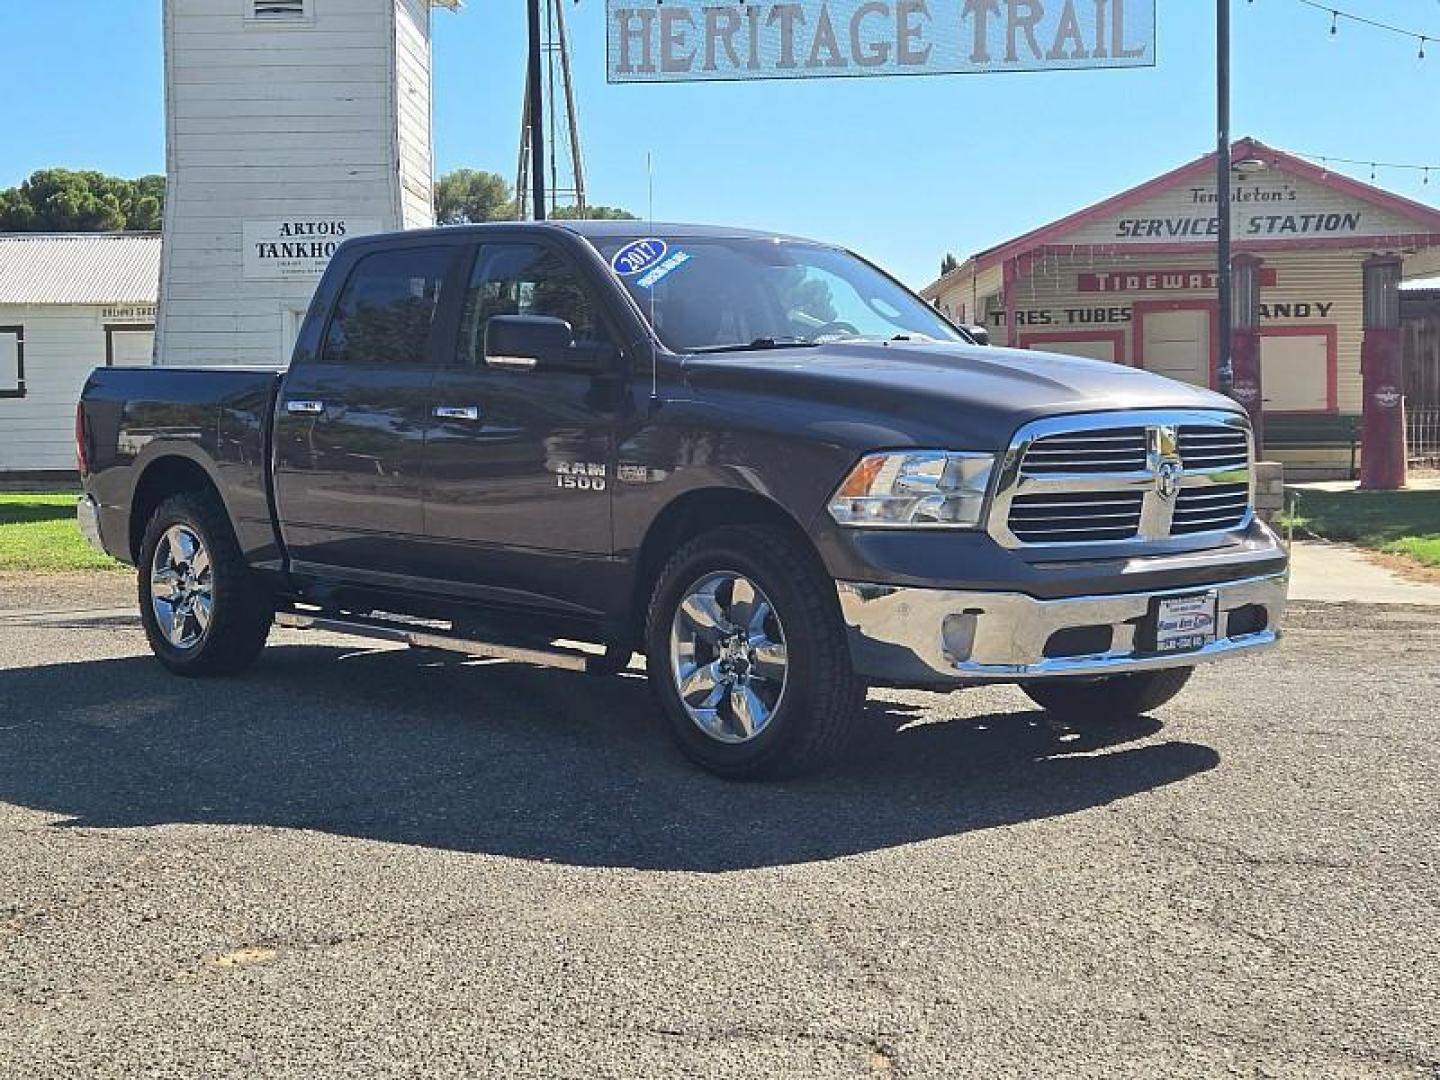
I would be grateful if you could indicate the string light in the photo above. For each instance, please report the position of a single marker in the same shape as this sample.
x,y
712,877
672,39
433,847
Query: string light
x,y
1336,14
1326,160
1375,167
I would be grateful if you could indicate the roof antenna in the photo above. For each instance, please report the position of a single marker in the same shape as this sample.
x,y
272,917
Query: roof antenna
x,y
650,214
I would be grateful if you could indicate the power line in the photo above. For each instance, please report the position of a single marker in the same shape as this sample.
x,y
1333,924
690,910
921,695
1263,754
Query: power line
x,y
1336,14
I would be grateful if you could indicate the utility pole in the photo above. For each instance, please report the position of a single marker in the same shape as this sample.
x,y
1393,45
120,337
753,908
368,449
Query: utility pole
x,y
1222,191
535,111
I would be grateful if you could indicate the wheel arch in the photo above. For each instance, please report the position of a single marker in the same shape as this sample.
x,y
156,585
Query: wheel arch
x,y
164,476
692,514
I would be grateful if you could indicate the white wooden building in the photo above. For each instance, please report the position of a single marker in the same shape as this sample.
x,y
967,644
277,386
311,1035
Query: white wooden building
x,y
68,304
1131,280
290,125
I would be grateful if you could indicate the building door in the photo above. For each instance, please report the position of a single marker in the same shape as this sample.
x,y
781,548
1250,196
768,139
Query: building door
x,y
1297,368
1176,342
1091,344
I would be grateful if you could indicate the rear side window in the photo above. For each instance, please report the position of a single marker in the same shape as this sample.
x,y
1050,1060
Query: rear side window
x,y
386,311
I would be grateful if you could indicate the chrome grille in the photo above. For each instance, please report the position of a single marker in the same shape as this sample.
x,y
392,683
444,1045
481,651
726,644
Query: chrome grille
x,y
1201,509
1103,451
1076,518
1142,475
1213,447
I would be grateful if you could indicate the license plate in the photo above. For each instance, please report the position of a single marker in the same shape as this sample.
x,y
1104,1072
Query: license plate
x,y
1184,623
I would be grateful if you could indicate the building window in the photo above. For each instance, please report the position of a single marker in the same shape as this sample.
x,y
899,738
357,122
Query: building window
x,y
12,361
129,345
277,11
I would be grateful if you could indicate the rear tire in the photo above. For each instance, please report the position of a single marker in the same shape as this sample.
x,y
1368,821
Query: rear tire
x,y
204,612
1112,697
760,651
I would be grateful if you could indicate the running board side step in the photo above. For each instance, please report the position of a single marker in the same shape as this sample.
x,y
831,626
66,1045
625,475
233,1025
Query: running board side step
x,y
427,639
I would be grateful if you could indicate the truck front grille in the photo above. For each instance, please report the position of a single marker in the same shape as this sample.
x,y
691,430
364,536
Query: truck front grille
x,y
1075,518
1103,451
1214,448
1222,506
1124,477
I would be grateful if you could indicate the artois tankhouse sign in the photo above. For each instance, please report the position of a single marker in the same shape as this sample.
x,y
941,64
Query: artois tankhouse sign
x,y
693,40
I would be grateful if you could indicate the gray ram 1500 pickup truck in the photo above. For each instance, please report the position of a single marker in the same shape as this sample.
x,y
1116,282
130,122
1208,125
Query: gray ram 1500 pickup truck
x,y
757,460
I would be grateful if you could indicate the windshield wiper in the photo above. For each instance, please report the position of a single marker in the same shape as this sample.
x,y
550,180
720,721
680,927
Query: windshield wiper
x,y
759,344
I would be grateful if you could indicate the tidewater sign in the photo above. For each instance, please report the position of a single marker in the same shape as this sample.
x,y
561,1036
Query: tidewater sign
x,y
695,40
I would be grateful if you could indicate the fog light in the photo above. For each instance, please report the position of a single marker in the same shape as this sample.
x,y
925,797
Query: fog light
x,y
958,636
1250,619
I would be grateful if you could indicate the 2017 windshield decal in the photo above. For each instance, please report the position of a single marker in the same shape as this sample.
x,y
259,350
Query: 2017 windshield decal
x,y
638,256
673,261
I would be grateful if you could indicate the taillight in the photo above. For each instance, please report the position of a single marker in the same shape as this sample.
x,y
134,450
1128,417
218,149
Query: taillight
x,y
82,459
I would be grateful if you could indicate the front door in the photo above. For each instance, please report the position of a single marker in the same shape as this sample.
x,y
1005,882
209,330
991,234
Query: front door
x,y
351,419
520,462
1176,343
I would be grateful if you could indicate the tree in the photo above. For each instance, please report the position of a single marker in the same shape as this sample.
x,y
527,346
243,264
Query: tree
x,y
948,263
66,200
470,196
592,213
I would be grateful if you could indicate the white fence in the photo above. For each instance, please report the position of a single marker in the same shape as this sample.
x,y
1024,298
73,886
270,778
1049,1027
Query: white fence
x,y
1422,436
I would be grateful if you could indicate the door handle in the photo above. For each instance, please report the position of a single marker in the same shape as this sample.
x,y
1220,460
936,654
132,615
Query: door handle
x,y
305,408
456,412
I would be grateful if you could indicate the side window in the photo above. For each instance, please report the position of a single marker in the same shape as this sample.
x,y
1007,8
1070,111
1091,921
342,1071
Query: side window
x,y
12,362
384,314
523,279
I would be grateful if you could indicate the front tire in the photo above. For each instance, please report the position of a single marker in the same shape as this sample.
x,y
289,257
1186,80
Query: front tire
x,y
747,654
1112,697
203,611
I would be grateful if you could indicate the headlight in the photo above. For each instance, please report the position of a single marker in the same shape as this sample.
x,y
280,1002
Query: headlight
x,y
914,489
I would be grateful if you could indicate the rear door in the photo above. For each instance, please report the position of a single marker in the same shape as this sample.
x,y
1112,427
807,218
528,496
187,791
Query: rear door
x,y
520,462
351,419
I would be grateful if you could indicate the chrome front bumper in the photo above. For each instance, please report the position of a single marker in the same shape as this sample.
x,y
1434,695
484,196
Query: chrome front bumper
x,y
927,637
87,514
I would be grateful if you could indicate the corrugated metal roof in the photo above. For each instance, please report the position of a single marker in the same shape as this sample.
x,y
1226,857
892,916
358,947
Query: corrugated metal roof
x,y
79,268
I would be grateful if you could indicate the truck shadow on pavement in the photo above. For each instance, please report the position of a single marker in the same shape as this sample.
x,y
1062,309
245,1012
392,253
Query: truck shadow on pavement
x,y
509,760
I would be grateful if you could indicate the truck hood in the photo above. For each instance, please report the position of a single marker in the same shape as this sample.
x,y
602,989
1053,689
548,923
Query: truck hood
x,y
913,391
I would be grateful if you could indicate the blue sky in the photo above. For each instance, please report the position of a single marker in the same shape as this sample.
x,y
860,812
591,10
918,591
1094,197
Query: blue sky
x,y
900,169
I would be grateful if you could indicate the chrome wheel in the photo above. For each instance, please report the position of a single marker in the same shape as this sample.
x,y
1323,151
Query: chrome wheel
x,y
727,657
181,587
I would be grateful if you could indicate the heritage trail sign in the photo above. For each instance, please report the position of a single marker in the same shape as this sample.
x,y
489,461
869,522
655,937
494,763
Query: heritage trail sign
x,y
696,40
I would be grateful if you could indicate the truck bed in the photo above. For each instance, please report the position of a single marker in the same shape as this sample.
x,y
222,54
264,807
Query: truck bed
x,y
215,417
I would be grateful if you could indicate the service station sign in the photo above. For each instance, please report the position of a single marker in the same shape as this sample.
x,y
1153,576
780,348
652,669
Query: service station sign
x,y
695,40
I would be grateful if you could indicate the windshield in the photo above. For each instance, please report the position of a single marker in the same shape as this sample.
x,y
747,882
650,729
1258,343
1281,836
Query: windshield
x,y
712,294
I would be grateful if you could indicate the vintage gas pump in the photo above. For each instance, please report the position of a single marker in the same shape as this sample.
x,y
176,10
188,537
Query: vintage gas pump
x,y
1382,466
1245,341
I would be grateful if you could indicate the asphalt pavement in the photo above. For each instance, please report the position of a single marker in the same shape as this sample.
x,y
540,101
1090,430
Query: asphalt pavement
x,y
378,862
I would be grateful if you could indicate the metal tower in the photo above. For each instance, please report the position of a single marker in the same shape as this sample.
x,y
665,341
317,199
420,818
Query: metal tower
x,y
556,45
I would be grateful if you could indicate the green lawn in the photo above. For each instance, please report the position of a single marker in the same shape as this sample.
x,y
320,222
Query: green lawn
x,y
1398,522
38,533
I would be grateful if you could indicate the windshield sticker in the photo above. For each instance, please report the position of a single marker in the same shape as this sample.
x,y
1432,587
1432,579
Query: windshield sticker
x,y
638,256
673,261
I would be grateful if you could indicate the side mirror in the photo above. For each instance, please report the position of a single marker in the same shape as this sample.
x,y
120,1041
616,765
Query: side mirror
x,y
978,332
525,342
